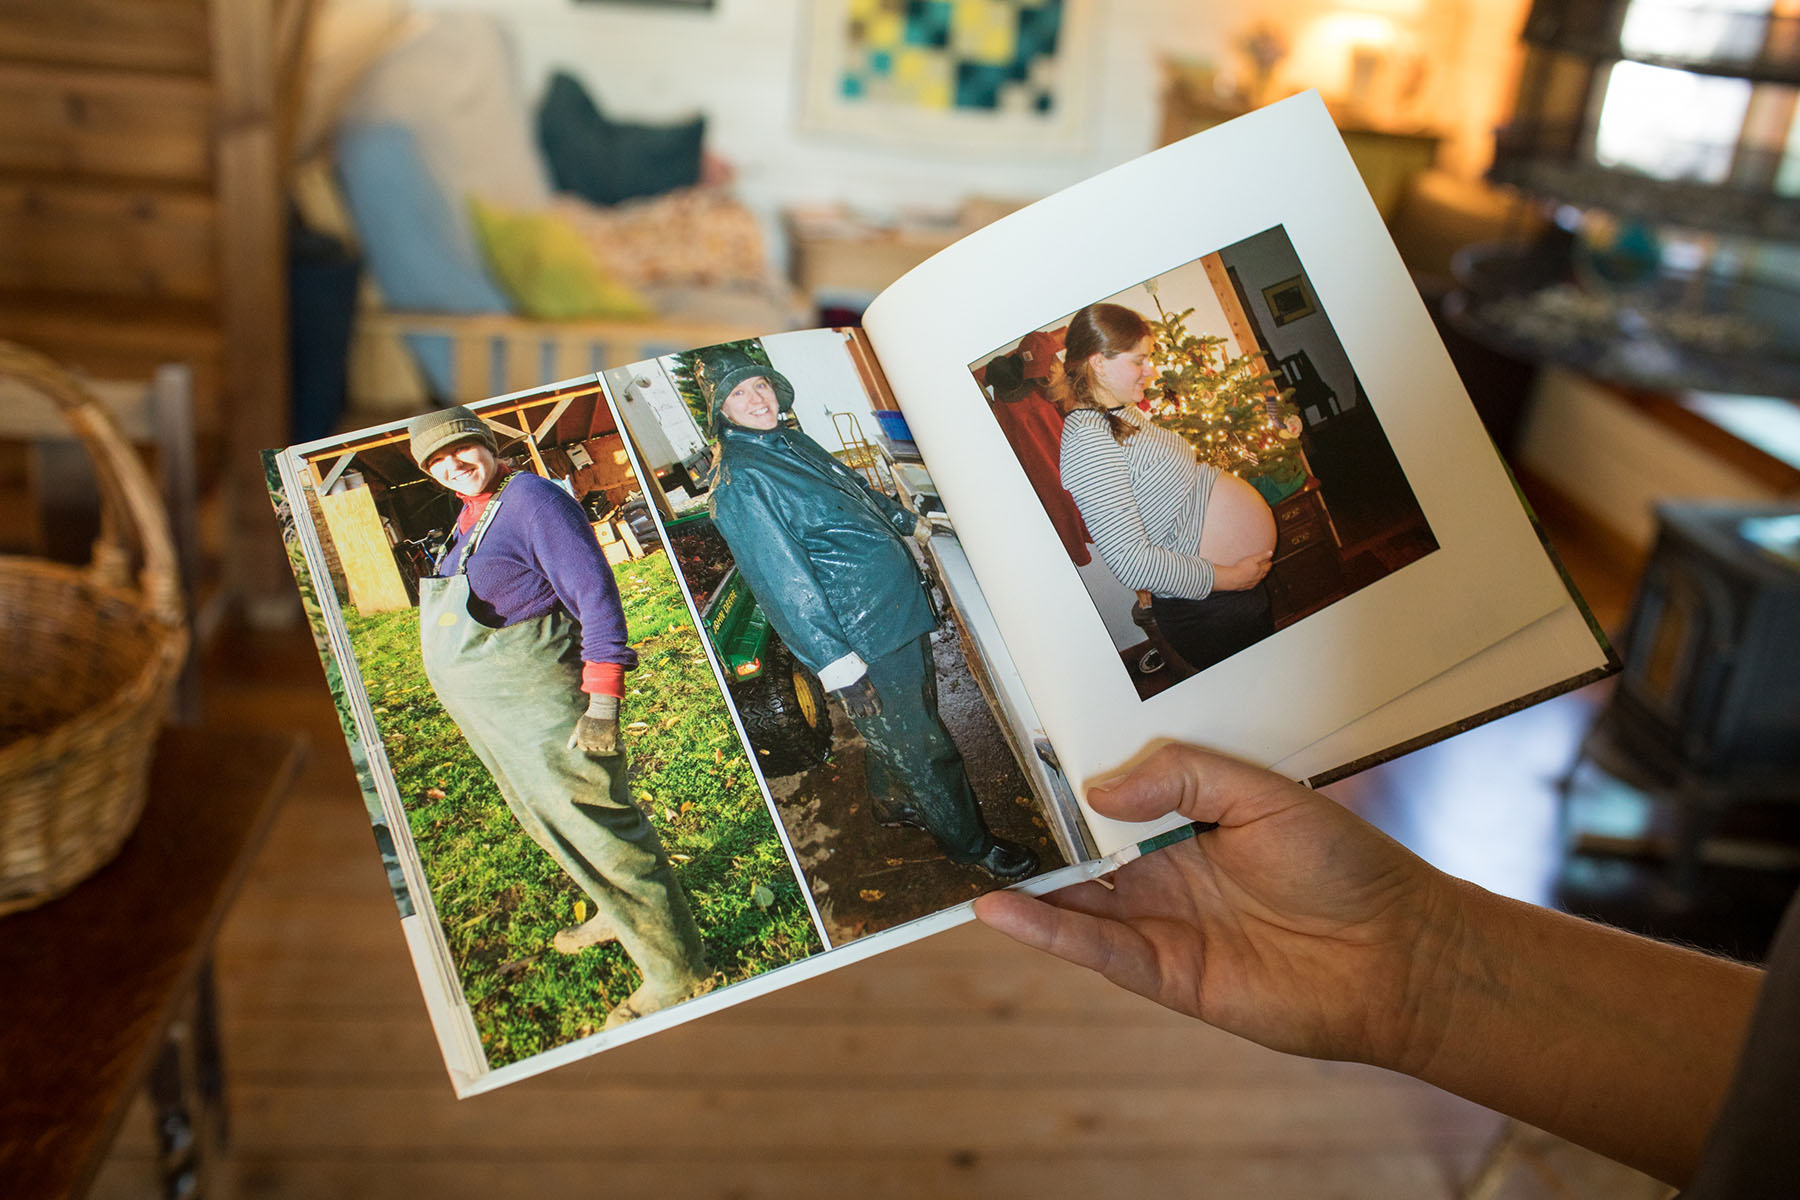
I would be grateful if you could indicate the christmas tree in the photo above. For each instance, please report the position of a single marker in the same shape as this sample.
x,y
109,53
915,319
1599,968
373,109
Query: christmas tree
x,y
1229,408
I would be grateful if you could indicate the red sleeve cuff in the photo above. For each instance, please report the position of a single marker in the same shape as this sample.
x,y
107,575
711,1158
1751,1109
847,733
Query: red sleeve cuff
x,y
603,679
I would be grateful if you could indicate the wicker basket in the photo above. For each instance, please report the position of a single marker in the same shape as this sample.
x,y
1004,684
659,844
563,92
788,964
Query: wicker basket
x,y
87,660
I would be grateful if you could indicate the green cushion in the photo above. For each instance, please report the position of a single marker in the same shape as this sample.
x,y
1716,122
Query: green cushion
x,y
546,268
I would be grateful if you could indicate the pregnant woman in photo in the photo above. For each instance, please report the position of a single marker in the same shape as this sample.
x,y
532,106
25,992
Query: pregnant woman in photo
x,y
1198,539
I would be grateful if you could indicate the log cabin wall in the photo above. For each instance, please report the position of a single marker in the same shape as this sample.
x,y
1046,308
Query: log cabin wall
x,y
142,218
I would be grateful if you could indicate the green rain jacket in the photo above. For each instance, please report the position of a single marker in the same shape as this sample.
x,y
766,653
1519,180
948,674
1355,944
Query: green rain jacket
x,y
824,553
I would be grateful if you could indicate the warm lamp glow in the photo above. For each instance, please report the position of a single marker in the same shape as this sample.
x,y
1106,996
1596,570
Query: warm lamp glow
x,y
1367,57
1403,10
1322,53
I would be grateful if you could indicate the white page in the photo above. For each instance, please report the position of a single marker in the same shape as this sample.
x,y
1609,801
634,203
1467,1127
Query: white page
x,y
1284,165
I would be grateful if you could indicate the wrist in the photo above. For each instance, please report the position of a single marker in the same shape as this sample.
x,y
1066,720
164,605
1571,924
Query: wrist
x,y
603,706
1615,1042
1451,981
1478,1007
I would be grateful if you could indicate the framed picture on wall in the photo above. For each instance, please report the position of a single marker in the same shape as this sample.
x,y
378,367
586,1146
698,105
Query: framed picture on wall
x,y
971,74
1289,300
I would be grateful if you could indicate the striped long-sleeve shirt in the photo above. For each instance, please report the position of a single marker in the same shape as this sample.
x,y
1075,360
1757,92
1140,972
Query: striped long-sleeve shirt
x,y
1144,501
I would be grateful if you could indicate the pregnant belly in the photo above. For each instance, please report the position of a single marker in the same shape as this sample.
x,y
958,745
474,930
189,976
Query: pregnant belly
x,y
1238,522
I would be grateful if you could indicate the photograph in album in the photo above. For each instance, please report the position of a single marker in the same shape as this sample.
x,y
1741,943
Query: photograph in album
x,y
785,541
557,882
1208,457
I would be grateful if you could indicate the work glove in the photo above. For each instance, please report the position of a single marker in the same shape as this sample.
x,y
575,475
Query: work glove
x,y
597,732
860,698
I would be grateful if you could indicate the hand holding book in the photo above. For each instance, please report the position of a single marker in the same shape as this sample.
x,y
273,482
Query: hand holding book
x,y
1293,923
1300,926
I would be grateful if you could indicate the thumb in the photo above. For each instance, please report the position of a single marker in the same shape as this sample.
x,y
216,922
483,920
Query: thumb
x,y
1199,784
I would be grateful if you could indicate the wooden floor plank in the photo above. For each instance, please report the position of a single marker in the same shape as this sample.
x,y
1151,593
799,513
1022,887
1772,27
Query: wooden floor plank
x,y
315,1048
951,1173
684,1117
957,1066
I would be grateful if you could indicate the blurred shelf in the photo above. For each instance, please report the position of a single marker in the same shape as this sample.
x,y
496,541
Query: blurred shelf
x,y
1665,330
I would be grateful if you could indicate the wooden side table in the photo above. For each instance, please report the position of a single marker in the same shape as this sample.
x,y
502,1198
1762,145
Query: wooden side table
x,y
109,987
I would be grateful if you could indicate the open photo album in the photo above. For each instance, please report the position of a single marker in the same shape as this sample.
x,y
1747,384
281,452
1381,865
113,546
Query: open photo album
x,y
680,682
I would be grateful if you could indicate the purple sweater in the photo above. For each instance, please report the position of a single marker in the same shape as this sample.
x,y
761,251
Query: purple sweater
x,y
539,552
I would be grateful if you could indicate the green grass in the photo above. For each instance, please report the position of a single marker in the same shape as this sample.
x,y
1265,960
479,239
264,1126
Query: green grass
x,y
501,898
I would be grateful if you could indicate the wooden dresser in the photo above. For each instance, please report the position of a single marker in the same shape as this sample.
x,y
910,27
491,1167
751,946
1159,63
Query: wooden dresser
x,y
1307,573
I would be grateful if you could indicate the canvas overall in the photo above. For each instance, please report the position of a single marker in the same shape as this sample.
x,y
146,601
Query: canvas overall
x,y
515,693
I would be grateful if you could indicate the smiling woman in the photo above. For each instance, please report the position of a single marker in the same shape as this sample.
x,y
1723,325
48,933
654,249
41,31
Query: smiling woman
x,y
524,641
752,404
465,467
1197,539
827,559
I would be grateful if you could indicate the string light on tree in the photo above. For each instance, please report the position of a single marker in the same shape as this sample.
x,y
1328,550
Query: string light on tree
x,y
1228,407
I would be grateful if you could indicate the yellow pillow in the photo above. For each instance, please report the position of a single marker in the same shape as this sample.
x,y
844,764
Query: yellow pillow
x,y
547,269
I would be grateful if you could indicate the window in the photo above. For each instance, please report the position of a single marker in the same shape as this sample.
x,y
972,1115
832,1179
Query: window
x,y
1703,128
1670,124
